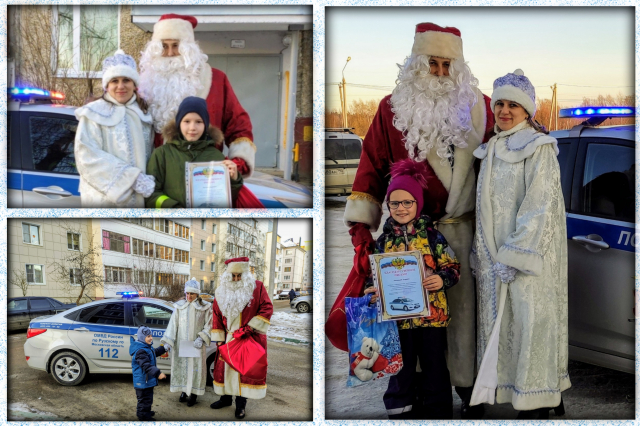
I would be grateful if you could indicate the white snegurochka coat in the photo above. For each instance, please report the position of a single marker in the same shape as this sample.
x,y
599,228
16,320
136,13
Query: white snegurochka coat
x,y
188,322
112,146
522,326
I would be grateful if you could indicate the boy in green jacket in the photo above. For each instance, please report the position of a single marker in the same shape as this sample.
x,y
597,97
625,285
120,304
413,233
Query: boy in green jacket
x,y
186,141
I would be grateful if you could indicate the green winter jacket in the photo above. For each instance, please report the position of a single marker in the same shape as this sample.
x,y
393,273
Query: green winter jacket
x,y
167,166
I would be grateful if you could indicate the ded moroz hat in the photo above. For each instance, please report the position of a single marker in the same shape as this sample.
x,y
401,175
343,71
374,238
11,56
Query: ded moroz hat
x,y
433,40
174,27
238,265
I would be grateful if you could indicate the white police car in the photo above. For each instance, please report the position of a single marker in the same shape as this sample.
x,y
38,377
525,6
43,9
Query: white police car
x,y
598,181
94,338
41,165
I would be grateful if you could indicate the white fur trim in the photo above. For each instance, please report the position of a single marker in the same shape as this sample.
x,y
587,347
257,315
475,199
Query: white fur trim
x,y
363,211
238,267
245,149
436,43
260,324
173,29
206,77
192,290
511,93
217,335
119,71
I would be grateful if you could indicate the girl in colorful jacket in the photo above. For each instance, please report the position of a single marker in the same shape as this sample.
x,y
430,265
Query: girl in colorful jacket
x,y
420,338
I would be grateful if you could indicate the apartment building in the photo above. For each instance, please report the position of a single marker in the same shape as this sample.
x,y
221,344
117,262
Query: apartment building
x,y
292,265
204,252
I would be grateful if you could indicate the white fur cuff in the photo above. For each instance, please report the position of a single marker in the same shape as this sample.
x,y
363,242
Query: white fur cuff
x,y
245,149
218,335
260,324
362,211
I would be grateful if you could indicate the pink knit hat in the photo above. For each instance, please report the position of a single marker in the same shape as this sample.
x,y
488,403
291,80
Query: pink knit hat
x,y
410,176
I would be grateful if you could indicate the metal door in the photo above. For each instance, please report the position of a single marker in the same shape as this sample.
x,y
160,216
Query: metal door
x,y
256,83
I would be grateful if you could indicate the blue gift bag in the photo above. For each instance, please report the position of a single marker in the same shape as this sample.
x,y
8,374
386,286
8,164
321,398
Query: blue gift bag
x,y
374,348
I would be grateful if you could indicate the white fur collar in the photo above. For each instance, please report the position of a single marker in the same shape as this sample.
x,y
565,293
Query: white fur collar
x,y
110,112
205,78
517,144
183,304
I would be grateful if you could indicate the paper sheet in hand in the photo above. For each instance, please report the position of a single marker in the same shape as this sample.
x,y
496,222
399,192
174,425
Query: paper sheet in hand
x,y
208,185
187,350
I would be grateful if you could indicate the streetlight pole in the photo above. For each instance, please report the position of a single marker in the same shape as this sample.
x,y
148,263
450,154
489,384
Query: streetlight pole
x,y
344,97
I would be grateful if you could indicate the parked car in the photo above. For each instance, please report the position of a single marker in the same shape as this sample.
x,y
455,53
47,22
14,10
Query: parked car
x,y
21,310
404,304
597,167
302,304
285,294
41,164
342,149
94,338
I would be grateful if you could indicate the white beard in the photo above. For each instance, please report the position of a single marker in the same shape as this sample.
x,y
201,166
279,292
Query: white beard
x,y
432,111
233,297
166,81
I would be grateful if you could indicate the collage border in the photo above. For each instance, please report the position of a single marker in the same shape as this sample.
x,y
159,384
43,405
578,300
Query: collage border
x,y
316,213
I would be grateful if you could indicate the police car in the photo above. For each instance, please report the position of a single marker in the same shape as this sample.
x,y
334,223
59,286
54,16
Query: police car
x,y
41,165
95,338
598,181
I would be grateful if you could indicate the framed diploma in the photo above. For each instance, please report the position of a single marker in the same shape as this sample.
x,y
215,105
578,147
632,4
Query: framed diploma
x,y
208,185
398,277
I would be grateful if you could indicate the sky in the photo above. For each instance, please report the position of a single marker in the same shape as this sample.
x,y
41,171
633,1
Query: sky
x,y
585,50
295,228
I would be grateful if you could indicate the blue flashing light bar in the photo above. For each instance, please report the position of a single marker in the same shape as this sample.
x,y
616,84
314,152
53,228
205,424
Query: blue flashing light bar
x,y
129,294
594,111
28,92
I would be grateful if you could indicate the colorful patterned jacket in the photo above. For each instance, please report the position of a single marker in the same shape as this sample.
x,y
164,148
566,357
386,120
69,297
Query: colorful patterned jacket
x,y
438,257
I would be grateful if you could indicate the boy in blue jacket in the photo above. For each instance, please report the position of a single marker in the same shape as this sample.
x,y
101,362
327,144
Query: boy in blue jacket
x,y
145,372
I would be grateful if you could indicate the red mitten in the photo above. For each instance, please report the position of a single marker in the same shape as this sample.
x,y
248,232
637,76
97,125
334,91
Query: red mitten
x,y
363,246
243,169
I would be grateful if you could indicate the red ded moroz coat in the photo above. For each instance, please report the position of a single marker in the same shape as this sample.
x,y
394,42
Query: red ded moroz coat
x,y
257,315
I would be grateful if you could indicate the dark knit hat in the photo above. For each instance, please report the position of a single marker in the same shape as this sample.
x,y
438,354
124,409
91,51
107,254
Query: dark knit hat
x,y
193,104
143,331
410,176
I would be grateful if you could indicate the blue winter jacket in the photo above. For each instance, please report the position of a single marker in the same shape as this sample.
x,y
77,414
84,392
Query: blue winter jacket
x,y
143,364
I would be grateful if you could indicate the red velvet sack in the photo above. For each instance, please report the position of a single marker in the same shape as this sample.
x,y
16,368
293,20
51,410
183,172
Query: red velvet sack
x,y
247,200
245,355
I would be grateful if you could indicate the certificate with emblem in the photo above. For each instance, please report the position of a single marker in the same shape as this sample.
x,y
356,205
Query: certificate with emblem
x,y
208,185
398,278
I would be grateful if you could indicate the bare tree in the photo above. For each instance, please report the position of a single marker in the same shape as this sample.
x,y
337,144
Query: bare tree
x,y
79,271
152,275
19,279
45,46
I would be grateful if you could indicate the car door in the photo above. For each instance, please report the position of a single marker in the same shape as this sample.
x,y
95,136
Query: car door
x,y
334,164
39,306
14,160
18,314
601,245
154,316
100,333
49,175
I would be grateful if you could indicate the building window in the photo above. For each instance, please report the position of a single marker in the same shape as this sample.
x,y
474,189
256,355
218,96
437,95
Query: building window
x,y
143,277
164,225
143,248
164,280
201,284
75,276
287,277
35,274
287,260
164,252
114,274
287,269
213,266
182,256
181,279
202,242
214,228
115,242
203,224
202,265
180,231
73,241
86,36
31,234
288,252
213,248
231,249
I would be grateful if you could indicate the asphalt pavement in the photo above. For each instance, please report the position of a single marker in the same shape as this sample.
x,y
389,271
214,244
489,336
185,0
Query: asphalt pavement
x,y
596,393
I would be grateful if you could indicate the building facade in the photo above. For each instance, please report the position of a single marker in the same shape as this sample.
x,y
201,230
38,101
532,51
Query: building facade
x,y
204,252
292,267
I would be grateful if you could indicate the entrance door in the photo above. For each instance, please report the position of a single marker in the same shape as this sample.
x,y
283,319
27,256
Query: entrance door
x,y
256,83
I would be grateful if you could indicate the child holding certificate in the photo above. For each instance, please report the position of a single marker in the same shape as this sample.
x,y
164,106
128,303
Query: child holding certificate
x,y
422,338
191,139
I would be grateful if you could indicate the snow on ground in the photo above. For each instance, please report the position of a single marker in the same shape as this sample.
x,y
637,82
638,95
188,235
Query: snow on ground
x,y
291,325
20,411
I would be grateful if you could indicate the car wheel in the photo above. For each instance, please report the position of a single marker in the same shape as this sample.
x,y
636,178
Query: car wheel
x,y
68,368
303,307
209,371
406,308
